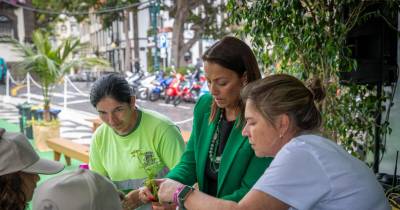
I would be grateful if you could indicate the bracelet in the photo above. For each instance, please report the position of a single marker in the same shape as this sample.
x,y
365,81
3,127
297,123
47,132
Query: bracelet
x,y
176,193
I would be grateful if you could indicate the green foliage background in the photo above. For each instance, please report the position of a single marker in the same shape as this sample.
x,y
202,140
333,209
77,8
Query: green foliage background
x,y
306,38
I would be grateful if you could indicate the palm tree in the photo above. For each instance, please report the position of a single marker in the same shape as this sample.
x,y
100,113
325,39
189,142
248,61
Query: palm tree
x,y
50,63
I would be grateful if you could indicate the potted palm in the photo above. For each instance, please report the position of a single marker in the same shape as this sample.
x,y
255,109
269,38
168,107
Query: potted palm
x,y
49,64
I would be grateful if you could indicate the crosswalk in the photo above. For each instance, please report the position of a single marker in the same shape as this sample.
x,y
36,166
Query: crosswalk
x,y
77,111
9,113
71,128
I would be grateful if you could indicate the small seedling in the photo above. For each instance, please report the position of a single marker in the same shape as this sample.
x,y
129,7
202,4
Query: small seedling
x,y
149,163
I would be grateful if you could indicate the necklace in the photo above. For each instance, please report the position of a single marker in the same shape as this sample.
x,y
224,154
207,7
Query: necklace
x,y
215,159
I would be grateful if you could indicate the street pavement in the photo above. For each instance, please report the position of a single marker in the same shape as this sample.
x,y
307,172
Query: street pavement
x,y
74,123
75,118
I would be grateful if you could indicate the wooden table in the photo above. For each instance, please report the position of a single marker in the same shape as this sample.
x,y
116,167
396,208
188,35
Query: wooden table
x,y
70,150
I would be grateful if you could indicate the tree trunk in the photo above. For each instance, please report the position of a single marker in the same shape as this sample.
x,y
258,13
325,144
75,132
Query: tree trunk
x,y
179,47
200,48
128,51
182,12
46,101
189,44
46,112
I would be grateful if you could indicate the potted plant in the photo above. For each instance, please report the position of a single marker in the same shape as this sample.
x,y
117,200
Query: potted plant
x,y
49,63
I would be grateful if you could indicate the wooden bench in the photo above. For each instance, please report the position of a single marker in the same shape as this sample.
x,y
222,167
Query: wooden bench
x,y
70,150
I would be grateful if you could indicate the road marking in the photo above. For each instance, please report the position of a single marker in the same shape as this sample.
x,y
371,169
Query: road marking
x,y
184,121
40,97
77,94
170,105
78,101
61,95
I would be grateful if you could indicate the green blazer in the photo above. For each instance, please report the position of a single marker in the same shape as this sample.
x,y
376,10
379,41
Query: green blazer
x,y
239,168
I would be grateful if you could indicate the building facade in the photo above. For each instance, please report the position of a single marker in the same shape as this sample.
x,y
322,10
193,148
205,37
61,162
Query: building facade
x,y
16,23
150,47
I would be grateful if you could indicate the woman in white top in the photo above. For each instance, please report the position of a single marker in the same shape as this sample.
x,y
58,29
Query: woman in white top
x,y
308,171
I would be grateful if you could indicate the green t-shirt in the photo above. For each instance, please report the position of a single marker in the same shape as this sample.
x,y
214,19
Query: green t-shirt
x,y
110,153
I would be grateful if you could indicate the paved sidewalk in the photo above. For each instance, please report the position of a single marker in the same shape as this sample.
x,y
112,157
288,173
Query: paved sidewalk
x,y
74,123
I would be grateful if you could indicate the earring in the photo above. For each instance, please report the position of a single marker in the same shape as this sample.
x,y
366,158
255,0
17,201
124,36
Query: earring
x,y
280,136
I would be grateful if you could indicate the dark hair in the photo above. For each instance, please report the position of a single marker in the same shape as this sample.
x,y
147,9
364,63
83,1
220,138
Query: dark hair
x,y
111,85
12,197
234,54
284,94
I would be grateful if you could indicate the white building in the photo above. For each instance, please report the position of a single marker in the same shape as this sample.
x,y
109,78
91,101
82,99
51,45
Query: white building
x,y
110,43
15,23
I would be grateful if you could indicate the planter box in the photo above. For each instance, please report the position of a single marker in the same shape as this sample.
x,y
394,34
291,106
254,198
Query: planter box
x,y
41,133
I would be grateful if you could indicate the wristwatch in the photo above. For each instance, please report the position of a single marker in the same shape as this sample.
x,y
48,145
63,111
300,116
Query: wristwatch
x,y
183,194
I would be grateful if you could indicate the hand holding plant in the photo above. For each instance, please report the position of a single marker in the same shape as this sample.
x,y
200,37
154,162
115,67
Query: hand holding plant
x,y
149,163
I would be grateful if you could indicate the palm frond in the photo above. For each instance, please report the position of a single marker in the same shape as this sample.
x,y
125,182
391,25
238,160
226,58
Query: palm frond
x,y
50,63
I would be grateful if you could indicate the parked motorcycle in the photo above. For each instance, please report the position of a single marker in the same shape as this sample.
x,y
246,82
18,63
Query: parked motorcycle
x,y
158,90
134,79
172,93
145,85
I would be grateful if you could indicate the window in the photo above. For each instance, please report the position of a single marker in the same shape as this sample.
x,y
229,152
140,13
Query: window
x,y
6,28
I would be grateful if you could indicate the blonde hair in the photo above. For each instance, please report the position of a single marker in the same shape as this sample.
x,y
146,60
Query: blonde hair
x,y
284,94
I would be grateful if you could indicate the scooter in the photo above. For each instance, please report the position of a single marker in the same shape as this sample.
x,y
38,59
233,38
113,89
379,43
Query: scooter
x,y
172,93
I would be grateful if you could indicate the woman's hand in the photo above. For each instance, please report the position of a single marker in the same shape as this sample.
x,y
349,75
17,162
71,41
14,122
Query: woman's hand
x,y
145,195
167,188
164,206
131,200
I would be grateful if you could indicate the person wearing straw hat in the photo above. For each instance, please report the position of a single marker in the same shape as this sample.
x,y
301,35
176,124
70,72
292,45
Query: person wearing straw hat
x,y
81,189
19,169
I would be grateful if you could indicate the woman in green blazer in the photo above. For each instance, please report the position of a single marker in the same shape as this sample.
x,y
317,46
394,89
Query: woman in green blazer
x,y
239,168
217,157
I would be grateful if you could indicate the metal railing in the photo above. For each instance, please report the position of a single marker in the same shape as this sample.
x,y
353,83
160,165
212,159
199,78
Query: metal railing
x,y
29,81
